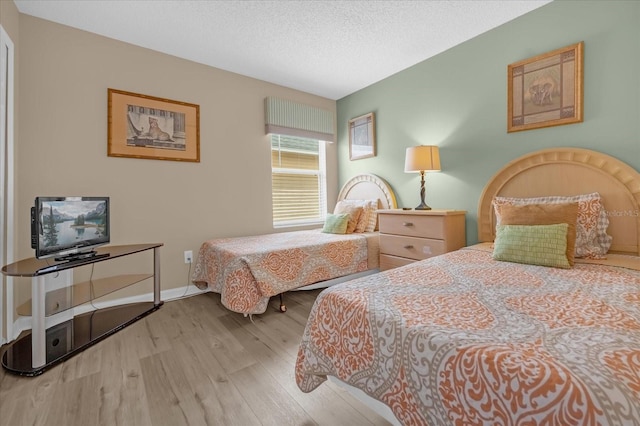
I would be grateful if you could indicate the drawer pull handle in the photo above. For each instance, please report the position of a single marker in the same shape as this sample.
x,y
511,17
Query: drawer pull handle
x,y
408,246
407,224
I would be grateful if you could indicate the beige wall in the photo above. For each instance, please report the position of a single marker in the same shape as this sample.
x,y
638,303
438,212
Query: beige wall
x,y
9,17
64,77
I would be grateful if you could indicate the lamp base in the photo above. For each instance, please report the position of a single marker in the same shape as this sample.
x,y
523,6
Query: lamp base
x,y
423,206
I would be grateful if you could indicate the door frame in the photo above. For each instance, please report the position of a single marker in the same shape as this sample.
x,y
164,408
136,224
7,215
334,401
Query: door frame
x,y
7,183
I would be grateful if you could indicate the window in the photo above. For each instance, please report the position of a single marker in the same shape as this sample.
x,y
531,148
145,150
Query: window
x,y
298,187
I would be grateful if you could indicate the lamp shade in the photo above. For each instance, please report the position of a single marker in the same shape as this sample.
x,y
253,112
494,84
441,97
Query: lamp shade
x,y
422,158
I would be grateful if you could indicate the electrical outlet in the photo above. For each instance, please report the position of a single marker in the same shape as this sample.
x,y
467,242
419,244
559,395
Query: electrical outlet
x,y
188,256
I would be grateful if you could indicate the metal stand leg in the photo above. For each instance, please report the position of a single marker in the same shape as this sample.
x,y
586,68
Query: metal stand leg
x,y
38,340
156,276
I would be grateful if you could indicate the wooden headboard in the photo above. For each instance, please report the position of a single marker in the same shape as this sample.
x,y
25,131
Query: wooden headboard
x,y
566,172
369,187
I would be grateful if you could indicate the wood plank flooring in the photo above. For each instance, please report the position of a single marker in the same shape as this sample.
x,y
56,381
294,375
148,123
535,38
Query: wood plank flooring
x,y
192,362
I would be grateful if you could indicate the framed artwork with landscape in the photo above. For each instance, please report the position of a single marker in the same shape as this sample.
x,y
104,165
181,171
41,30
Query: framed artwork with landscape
x,y
546,90
362,137
141,126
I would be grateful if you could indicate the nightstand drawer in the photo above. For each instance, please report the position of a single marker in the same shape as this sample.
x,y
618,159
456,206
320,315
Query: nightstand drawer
x,y
410,235
411,247
413,225
390,262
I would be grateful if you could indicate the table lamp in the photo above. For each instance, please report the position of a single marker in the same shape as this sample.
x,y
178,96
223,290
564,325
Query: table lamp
x,y
422,158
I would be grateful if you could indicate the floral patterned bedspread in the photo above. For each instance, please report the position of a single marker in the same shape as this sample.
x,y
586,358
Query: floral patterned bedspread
x,y
463,339
247,271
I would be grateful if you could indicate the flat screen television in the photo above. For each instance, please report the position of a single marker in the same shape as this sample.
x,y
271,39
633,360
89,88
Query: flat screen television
x,y
69,228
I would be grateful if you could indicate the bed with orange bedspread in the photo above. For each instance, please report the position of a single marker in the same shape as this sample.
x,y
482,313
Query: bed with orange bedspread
x,y
481,341
466,339
248,271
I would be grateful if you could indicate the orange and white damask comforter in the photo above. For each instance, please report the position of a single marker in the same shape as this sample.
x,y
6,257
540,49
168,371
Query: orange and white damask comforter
x,y
247,271
463,339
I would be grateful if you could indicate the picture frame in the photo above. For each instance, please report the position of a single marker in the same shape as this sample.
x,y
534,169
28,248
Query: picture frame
x,y
546,90
362,137
142,126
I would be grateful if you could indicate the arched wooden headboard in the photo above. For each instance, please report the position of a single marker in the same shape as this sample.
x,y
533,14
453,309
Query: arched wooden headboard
x,y
369,187
565,172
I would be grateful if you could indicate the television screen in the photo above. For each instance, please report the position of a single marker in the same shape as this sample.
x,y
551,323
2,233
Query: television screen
x,y
68,226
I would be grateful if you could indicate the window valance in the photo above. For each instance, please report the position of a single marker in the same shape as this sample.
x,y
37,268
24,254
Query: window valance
x,y
295,119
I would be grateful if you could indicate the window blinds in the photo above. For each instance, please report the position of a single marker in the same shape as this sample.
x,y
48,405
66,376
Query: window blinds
x,y
298,184
285,117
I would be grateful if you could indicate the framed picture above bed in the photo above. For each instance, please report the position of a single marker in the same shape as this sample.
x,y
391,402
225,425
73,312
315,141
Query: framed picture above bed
x,y
546,90
362,137
142,126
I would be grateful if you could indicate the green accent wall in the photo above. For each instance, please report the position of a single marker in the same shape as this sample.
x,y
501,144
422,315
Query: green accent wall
x,y
458,101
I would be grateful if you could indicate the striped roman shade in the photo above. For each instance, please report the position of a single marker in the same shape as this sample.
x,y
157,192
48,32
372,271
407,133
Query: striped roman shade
x,y
285,117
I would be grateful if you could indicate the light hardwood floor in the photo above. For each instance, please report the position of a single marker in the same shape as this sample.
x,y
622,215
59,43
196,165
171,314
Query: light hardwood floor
x,y
192,362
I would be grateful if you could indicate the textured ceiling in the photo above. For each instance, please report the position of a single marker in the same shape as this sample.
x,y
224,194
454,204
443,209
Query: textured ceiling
x,y
328,48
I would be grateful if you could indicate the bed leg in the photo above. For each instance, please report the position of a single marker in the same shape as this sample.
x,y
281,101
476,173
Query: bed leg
x,y
283,308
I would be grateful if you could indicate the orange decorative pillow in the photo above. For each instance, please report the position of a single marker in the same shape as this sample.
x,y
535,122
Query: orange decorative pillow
x,y
542,214
354,213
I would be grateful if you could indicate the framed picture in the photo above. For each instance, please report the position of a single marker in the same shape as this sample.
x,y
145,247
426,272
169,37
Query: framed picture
x,y
141,126
546,90
362,137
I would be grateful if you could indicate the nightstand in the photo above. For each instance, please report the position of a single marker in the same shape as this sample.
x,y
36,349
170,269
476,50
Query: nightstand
x,y
410,235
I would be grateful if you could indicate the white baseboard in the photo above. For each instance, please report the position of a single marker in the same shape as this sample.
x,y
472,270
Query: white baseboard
x,y
24,323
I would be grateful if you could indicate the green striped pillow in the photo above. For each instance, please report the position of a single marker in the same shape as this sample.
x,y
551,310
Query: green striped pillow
x,y
544,245
336,223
